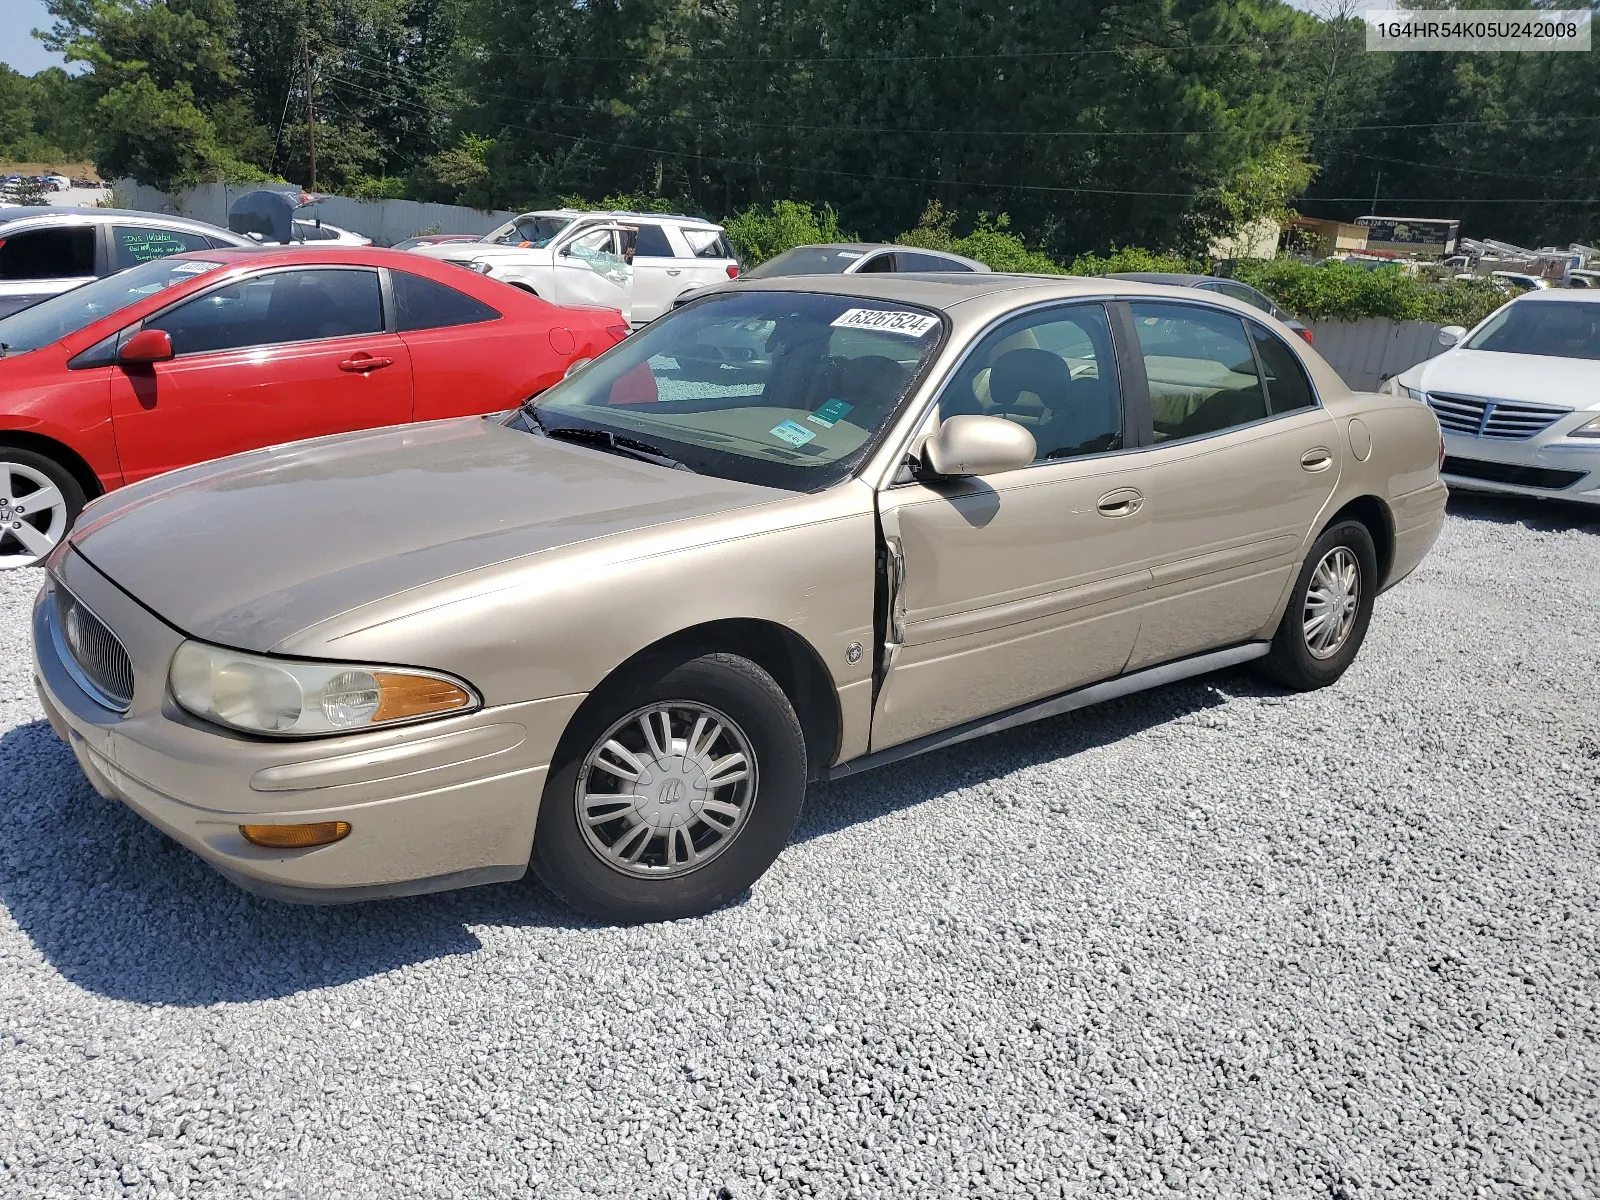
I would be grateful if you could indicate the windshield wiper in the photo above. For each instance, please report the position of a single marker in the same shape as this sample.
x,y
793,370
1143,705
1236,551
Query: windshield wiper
x,y
615,443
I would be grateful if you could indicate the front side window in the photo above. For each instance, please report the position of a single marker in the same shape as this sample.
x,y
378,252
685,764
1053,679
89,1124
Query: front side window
x,y
425,304
1549,328
785,389
535,232
274,308
1201,370
1054,373
135,244
60,253
53,319
1288,385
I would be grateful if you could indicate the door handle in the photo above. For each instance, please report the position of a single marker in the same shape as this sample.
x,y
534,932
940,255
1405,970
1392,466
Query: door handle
x,y
362,363
1316,460
1123,502
674,270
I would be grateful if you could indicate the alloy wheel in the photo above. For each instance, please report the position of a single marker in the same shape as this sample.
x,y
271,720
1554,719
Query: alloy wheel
x,y
33,515
666,789
1332,599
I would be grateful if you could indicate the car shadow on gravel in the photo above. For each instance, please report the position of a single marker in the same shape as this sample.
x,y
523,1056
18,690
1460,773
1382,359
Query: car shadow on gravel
x,y
122,911
1547,516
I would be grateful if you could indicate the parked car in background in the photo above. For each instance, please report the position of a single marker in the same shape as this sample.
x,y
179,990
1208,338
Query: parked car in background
x,y
1231,288
1513,282
201,355
617,632
637,262
1518,397
1580,278
45,250
276,218
434,239
318,232
856,258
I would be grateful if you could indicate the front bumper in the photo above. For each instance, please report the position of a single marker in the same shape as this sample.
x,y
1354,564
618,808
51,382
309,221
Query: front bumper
x,y
433,806
1554,468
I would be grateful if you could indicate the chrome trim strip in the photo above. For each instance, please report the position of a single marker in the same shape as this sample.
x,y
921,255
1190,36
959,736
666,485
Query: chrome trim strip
x,y
1038,710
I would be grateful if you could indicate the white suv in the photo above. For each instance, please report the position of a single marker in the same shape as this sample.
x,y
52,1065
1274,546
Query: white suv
x,y
638,263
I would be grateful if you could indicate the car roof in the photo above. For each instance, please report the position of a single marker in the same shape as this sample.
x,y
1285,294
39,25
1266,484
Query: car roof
x,y
943,290
1168,278
1557,295
680,218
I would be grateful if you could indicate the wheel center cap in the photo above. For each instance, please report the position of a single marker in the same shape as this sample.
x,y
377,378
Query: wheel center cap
x,y
672,790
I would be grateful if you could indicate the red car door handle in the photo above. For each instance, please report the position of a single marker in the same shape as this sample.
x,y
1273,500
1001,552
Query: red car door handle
x,y
364,363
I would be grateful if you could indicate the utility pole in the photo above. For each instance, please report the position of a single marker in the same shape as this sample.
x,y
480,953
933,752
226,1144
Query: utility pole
x,y
311,110
1377,183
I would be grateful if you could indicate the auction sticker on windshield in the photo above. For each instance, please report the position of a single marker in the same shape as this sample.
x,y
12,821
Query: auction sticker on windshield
x,y
794,434
912,324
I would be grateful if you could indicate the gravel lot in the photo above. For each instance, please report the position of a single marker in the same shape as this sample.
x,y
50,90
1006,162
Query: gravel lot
x,y
1210,940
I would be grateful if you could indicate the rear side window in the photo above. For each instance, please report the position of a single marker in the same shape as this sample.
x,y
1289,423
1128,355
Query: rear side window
x,y
652,243
1201,369
424,304
929,262
48,254
707,243
283,306
135,244
1288,387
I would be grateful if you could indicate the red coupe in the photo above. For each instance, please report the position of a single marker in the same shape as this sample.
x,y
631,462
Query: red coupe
x,y
199,355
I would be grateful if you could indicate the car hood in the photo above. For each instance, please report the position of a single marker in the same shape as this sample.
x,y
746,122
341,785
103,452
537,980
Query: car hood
x,y
1532,378
248,551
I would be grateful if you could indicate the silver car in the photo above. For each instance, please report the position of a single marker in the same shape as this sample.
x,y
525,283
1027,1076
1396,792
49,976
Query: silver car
x,y
616,633
48,250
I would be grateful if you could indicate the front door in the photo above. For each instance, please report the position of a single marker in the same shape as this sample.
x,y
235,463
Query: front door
x,y
590,269
276,357
1242,463
1018,586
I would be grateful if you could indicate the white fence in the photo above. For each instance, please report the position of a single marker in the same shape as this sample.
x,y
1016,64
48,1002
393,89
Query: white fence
x,y
1369,351
384,221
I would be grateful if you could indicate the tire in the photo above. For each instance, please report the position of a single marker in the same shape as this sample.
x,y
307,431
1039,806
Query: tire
x,y
1295,661
27,536
690,856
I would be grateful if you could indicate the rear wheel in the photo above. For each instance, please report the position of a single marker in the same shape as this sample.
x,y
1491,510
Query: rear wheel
x,y
673,792
39,500
1329,610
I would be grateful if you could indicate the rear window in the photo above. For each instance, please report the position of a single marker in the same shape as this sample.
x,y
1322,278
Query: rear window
x,y
707,243
809,260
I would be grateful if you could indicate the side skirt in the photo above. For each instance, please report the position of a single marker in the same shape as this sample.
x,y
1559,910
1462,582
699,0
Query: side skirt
x,y
1054,706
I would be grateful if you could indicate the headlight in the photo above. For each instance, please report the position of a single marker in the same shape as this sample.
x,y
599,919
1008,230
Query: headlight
x,y
481,265
1592,429
278,696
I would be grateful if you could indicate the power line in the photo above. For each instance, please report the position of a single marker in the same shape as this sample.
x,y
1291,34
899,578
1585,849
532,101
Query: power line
x,y
1044,188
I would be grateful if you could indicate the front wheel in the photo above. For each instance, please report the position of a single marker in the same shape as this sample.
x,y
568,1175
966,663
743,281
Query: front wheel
x,y
1329,610
673,792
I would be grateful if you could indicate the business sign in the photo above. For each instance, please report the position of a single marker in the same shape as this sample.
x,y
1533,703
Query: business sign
x,y
1411,235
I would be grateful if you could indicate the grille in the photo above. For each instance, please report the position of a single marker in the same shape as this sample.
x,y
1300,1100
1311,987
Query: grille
x,y
95,650
1493,418
1539,477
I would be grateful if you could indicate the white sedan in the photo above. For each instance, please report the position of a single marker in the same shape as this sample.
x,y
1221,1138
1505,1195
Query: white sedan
x,y
1518,398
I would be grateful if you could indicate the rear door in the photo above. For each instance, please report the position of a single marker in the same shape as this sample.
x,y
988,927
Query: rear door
x,y
275,357
1243,460
658,273
44,261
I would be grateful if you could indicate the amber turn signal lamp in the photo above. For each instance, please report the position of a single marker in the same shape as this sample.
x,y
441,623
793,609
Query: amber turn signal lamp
x,y
402,696
296,837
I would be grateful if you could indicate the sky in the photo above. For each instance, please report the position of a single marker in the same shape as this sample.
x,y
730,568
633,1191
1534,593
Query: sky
x,y
18,49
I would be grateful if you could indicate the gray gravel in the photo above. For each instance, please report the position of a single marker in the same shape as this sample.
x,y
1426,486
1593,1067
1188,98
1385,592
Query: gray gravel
x,y
1211,940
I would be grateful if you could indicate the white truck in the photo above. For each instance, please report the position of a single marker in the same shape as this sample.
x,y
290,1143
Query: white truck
x,y
638,263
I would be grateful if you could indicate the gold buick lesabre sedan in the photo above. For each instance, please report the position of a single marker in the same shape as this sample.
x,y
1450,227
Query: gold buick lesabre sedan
x,y
796,529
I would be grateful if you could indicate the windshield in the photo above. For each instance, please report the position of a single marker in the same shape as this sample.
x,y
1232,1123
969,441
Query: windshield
x,y
537,232
808,260
784,389
1552,328
53,319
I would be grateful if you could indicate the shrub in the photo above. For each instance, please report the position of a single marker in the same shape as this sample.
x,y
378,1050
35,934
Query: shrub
x,y
1134,258
759,235
1347,292
991,242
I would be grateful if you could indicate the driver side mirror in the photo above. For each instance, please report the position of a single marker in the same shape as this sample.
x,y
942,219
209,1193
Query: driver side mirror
x,y
974,444
146,346
1450,335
